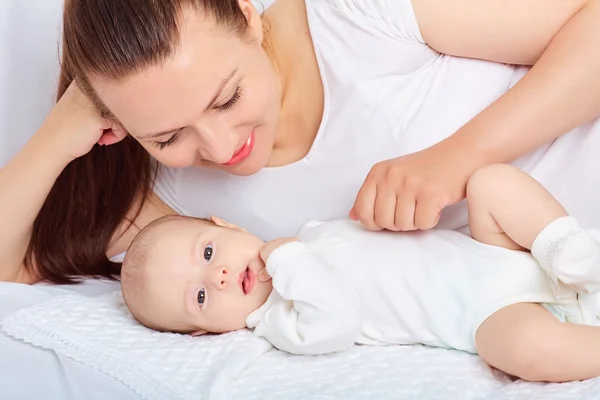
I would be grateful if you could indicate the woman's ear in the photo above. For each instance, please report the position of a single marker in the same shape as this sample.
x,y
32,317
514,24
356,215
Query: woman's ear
x,y
254,19
112,136
224,224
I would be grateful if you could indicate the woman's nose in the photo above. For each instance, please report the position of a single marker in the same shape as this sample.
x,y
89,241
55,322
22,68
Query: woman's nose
x,y
215,147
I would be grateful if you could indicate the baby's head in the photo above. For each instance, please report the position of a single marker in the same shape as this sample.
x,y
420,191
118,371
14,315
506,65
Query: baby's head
x,y
190,275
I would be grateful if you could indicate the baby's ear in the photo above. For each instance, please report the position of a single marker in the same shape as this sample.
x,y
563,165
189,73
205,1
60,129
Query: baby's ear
x,y
224,224
198,333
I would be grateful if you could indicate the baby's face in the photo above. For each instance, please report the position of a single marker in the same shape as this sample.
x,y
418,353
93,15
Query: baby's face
x,y
204,278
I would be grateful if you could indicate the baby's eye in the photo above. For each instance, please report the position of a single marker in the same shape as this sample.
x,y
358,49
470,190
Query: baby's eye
x,y
208,252
201,296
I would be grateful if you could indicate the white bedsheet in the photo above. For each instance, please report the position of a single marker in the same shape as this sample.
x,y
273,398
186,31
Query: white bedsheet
x,y
394,372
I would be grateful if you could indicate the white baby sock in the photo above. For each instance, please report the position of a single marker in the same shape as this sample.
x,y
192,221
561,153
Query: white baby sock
x,y
570,255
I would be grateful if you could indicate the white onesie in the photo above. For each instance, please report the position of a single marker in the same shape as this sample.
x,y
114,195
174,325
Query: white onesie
x,y
342,285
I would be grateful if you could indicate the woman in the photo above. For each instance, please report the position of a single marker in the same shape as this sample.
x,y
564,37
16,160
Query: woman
x,y
379,110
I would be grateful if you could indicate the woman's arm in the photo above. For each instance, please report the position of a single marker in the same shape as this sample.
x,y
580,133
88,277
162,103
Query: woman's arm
x,y
560,38
24,184
71,129
559,93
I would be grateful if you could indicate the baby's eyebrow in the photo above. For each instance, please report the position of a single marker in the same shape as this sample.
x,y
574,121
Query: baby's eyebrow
x,y
187,293
196,247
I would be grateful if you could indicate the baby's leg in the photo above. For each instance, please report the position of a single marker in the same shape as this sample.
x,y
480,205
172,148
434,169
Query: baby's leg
x,y
508,208
527,341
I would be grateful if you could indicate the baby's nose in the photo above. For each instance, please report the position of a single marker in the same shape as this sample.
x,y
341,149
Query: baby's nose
x,y
222,277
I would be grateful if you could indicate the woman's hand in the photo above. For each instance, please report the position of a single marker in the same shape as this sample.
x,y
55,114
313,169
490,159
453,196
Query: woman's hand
x,y
266,251
410,192
75,125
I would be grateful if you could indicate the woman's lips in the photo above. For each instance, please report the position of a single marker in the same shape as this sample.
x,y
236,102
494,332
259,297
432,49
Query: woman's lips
x,y
247,280
243,152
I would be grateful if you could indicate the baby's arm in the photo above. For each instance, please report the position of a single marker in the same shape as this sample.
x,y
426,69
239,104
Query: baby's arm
x,y
317,313
508,208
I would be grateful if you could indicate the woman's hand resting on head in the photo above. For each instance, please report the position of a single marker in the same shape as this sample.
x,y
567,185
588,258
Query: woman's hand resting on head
x,y
266,251
410,192
70,130
75,125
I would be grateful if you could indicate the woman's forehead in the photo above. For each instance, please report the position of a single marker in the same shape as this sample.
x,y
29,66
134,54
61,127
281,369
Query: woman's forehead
x,y
167,96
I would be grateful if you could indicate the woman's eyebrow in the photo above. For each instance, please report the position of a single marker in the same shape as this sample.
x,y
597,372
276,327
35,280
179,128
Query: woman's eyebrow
x,y
224,83
159,134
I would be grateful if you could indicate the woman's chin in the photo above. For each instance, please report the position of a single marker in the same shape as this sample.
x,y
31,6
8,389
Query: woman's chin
x,y
242,169
245,171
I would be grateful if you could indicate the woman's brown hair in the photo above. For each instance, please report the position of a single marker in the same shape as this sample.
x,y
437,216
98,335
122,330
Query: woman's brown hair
x,y
109,39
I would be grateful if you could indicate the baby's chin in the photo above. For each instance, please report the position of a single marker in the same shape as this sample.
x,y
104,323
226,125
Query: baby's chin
x,y
223,329
230,324
260,300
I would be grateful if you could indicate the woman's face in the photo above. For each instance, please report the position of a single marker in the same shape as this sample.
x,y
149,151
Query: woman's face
x,y
214,104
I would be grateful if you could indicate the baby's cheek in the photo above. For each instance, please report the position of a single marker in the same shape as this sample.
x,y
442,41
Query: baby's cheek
x,y
230,317
236,321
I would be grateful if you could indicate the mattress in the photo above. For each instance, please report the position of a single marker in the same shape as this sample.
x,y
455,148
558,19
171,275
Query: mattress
x,y
390,372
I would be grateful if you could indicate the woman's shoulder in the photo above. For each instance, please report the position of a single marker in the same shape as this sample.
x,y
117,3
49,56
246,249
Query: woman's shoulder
x,y
395,18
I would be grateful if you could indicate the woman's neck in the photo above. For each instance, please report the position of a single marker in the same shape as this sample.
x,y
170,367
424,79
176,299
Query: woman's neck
x,y
289,45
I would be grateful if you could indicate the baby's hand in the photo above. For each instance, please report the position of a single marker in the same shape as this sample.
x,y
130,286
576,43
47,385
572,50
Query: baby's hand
x,y
266,251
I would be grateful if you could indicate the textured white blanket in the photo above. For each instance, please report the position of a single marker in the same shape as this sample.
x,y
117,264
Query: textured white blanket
x,y
100,333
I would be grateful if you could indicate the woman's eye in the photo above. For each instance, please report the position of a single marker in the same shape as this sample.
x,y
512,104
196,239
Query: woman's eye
x,y
201,296
208,252
169,142
232,101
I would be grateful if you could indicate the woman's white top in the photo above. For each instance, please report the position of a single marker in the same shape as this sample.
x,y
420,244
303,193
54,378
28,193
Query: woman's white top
x,y
387,94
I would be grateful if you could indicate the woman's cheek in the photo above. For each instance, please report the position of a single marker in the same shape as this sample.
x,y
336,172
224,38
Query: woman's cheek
x,y
250,109
174,158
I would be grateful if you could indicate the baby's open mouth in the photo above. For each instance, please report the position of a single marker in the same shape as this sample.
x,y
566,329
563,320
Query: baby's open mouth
x,y
247,280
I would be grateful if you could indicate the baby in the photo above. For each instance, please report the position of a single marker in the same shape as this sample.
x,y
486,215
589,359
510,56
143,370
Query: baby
x,y
530,314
